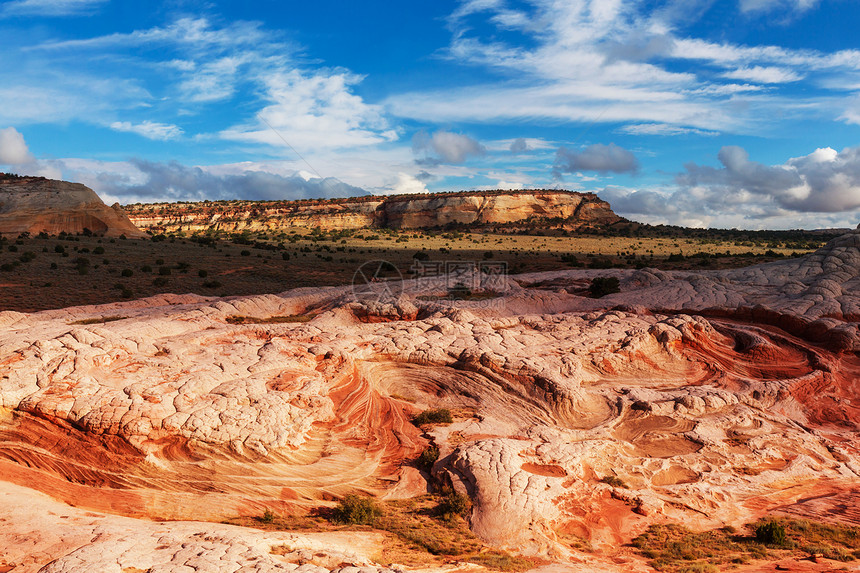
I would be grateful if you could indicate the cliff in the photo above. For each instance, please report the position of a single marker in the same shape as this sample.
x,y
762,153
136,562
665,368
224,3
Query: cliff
x,y
35,205
567,209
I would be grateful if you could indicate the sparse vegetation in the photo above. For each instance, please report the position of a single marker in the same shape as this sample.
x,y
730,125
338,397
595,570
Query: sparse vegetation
x,y
433,416
676,549
427,458
614,481
356,510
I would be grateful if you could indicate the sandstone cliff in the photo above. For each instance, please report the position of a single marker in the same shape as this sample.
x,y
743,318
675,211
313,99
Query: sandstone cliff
x,y
36,204
474,208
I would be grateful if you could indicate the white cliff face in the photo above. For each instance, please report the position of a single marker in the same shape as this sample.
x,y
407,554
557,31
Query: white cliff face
x,y
36,205
714,397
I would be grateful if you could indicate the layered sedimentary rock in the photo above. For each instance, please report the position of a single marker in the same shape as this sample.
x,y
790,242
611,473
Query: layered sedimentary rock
x,y
480,208
707,399
35,205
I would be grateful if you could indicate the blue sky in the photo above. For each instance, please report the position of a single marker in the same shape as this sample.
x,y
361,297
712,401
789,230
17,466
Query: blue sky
x,y
740,113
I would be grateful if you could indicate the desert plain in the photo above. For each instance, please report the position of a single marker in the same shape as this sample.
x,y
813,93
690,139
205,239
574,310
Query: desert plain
x,y
301,416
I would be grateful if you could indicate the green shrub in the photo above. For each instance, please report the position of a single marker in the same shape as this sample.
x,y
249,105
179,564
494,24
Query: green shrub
x,y
202,273
437,416
127,272
427,458
770,533
159,281
211,284
602,286
453,504
164,271
99,251
614,481
268,516
356,510
146,269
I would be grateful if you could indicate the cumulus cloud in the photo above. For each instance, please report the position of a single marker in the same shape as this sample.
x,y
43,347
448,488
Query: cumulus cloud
x,y
13,148
446,146
313,111
50,7
408,184
598,157
152,182
519,145
825,181
149,129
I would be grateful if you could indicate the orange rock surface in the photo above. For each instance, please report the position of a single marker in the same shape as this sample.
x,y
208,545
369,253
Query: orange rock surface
x,y
35,205
713,397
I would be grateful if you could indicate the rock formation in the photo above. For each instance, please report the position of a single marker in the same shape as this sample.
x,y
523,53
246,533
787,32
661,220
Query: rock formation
x,y
478,208
35,205
706,399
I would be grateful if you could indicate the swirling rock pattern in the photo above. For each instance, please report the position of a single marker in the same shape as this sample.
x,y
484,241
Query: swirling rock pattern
x,y
714,398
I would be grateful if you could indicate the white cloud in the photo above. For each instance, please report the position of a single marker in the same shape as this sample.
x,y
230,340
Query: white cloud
x,y
149,129
598,157
748,6
448,146
13,148
617,62
825,181
407,184
663,129
51,7
764,75
313,111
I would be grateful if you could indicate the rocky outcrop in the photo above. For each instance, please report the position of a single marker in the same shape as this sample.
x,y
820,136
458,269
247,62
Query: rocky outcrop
x,y
35,205
707,399
565,209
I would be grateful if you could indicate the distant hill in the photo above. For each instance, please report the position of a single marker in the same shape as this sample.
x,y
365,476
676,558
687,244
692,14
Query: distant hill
x,y
473,209
35,205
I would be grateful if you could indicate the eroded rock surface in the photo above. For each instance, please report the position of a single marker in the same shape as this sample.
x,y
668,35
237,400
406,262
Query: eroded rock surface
x,y
708,399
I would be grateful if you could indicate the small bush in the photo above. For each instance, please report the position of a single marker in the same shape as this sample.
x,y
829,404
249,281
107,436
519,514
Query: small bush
x,y
427,458
453,504
99,251
602,286
146,269
202,273
355,510
164,271
159,281
245,253
437,416
211,284
770,533
268,516
127,272
614,481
